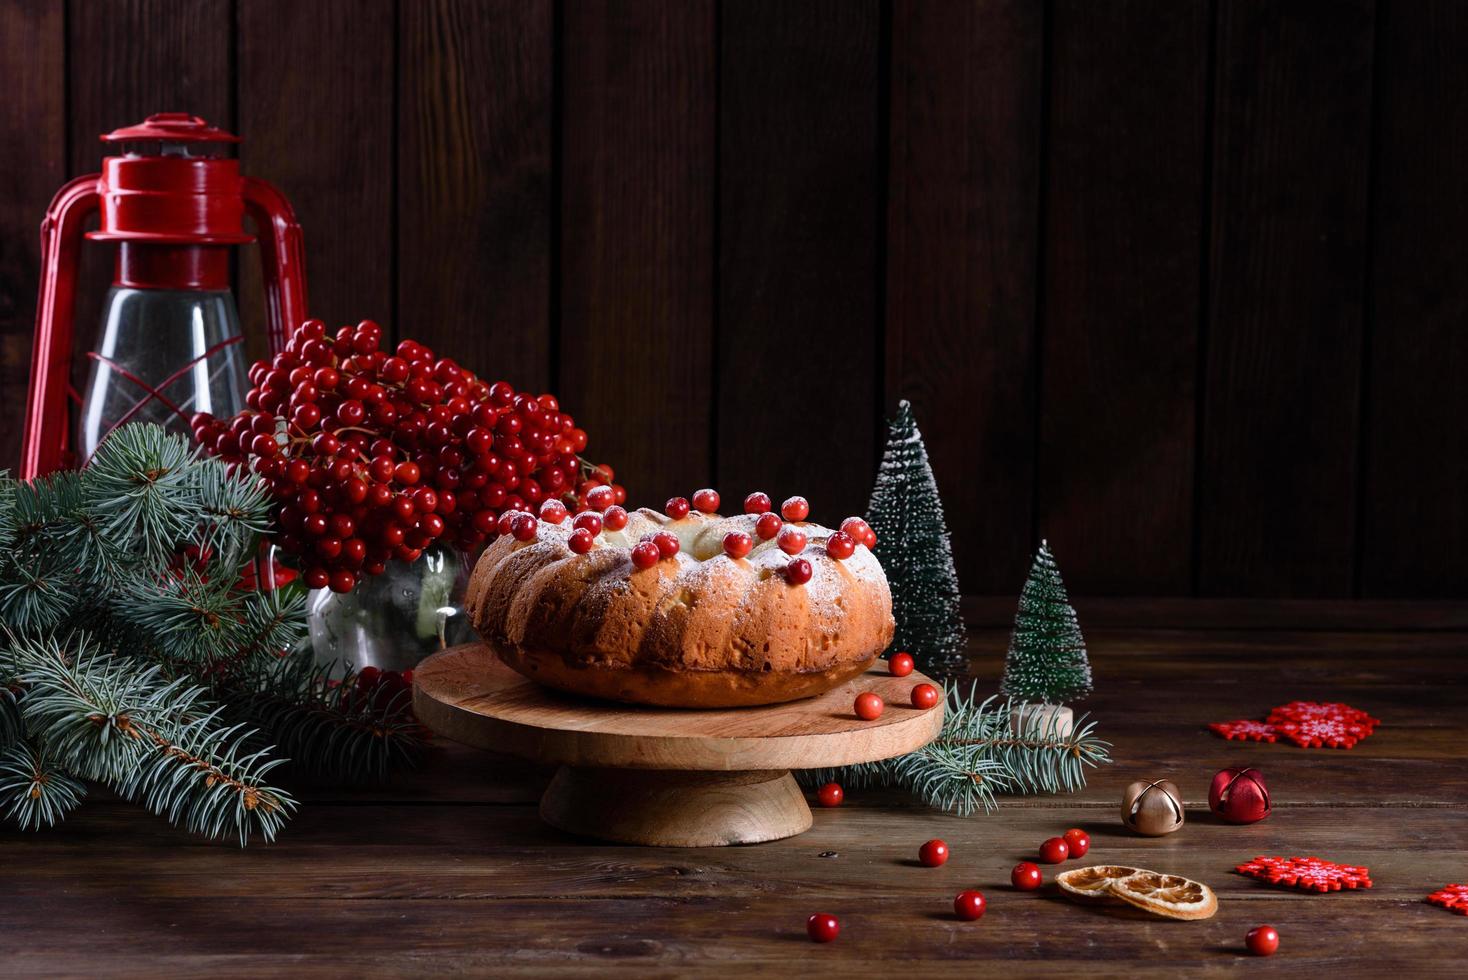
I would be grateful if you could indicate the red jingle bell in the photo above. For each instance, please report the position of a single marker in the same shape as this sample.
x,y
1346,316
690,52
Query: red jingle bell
x,y
1238,795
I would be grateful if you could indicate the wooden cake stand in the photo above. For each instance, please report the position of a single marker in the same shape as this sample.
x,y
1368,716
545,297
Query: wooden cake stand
x,y
666,776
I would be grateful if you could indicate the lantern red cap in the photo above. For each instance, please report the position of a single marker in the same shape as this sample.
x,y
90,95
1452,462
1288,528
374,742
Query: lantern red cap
x,y
170,127
170,198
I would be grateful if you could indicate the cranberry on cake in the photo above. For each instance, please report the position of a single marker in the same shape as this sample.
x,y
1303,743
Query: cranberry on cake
x,y
684,608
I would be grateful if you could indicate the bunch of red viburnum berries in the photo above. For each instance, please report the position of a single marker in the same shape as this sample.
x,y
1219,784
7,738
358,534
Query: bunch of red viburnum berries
x,y
372,456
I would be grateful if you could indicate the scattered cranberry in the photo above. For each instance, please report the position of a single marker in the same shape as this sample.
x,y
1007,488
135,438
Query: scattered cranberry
x,y
795,509
1026,876
757,503
706,500
580,541
767,526
798,572
969,905
822,928
791,540
645,555
1078,841
1054,850
737,544
933,853
1262,940
667,543
614,518
900,665
840,546
600,498
553,512
868,706
676,508
924,696
830,794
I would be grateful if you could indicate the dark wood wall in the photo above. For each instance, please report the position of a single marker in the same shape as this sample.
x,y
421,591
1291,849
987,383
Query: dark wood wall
x,y
1179,284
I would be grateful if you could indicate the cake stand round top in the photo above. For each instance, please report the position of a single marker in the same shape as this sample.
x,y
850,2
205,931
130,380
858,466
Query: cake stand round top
x,y
467,694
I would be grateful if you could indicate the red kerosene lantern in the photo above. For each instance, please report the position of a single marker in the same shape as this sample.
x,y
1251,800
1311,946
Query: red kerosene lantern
x,y
170,337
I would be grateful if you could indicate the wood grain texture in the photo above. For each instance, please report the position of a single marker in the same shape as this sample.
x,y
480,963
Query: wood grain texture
x,y
124,62
467,694
637,227
962,227
1286,295
1416,449
316,115
1124,202
474,184
799,189
446,872
33,166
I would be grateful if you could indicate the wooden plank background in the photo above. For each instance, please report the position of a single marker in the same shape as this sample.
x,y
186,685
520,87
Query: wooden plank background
x,y
1174,283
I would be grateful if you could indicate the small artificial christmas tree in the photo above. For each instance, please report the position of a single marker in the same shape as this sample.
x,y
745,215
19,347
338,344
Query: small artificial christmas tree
x,y
915,551
1047,654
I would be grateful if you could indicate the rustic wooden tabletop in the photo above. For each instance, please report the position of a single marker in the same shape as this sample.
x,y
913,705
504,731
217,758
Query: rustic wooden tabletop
x,y
450,871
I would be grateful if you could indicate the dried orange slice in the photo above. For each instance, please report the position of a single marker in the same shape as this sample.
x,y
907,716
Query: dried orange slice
x,y
1093,884
1170,895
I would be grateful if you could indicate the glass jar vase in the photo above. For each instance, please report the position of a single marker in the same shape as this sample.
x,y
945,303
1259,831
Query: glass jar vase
x,y
393,620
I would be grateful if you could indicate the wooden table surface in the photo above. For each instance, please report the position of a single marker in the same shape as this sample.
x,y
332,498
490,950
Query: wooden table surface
x,y
450,871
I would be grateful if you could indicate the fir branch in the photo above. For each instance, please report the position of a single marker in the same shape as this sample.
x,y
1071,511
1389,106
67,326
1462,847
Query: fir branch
x,y
323,722
977,755
140,482
234,513
198,620
104,718
12,726
34,791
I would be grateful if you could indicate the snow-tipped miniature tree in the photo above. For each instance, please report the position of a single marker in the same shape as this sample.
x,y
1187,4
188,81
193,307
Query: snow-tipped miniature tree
x,y
1047,654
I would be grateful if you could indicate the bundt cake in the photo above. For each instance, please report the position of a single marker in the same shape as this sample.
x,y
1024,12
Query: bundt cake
x,y
685,608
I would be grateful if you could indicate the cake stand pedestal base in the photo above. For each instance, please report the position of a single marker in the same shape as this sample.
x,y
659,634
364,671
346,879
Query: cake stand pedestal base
x,y
676,808
667,777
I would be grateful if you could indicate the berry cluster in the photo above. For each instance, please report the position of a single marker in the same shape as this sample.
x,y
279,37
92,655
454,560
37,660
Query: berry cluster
x,y
788,537
372,456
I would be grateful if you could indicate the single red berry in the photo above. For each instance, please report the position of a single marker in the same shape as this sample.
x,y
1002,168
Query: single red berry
x,y
798,572
502,526
589,520
1262,940
900,665
857,528
523,527
553,511
795,509
676,508
822,928
1026,876
767,526
706,500
830,794
868,706
407,473
933,853
1078,841
645,555
791,540
840,546
924,696
969,905
667,543
737,544
317,578
1054,850
757,503
600,498
614,518
343,582
580,541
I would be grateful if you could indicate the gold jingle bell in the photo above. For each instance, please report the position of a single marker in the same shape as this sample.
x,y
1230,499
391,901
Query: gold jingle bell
x,y
1152,808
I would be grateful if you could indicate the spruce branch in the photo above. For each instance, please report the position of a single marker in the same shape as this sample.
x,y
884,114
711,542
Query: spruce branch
x,y
139,482
35,792
979,755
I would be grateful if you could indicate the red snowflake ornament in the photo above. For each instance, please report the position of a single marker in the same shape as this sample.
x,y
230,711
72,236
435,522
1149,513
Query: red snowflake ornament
x,y
1454,898
1245,730
1323,711
1317,732
1310,874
